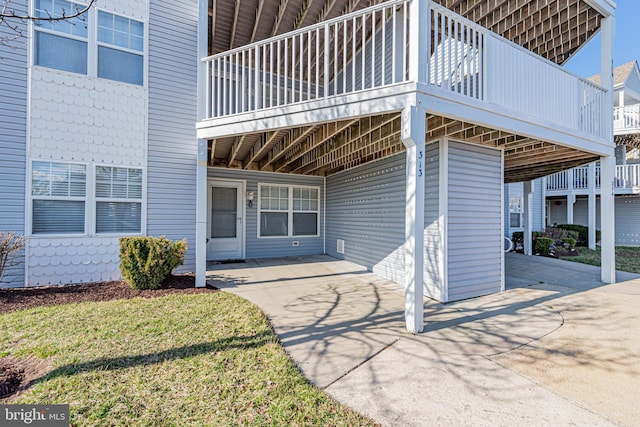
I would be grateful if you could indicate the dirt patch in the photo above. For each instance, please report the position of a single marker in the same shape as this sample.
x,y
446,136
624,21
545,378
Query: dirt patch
x,y
19,299
17,374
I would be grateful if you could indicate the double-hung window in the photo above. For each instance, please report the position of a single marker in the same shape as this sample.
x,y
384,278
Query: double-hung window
x,y
63,44
97,43
58,193
288,211
515,212
120,48
118,200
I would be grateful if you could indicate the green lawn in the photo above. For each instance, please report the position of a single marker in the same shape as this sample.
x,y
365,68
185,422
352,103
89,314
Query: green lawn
x,y
205,359
627,258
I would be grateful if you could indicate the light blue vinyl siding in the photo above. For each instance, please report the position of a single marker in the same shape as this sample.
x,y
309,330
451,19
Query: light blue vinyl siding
x,y
432,236
13,139
280,246
366,209
538,207
172,154
474,222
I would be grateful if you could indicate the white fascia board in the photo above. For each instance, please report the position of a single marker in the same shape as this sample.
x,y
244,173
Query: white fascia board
x,y
359,104
495,116
604,7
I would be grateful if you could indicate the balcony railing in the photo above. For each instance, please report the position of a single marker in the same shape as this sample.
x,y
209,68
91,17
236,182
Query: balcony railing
x,y
370,49
626,177
626,119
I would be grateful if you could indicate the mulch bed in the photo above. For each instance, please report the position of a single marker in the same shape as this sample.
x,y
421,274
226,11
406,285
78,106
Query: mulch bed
x,y
16,374
22,298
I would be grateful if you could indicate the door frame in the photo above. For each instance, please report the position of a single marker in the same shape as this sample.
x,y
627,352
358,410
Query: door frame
x,y
214,182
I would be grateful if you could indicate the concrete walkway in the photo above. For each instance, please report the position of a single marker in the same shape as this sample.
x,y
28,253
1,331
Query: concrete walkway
x,y
562,352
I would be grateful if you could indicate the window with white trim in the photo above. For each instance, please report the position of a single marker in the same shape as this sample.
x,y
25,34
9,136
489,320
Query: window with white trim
x,y
118,200
120,48
288,211
58,196
515,212
62,45
71,44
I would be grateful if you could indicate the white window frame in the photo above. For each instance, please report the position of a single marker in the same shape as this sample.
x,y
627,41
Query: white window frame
x,y
87,39
92,43
97,199
513,212
290,211
141,53
85,199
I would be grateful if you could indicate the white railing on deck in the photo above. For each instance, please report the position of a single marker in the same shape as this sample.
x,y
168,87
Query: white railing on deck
x,y
456,61
369,49
627,176
331,58
626,118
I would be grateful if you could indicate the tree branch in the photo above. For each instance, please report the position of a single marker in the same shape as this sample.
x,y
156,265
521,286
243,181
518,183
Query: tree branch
x,y
7,13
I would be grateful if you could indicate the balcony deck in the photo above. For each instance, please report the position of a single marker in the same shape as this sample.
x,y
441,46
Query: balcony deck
x,y
351,76
576,181
626,120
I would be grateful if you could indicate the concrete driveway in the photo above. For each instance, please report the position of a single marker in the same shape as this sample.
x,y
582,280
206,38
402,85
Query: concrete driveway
x,y
558,348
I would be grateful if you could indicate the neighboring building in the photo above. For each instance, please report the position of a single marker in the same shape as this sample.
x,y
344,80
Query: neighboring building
x,y
380,133
566,194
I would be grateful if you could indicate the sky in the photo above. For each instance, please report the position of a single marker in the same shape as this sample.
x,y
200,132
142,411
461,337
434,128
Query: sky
x,y
626,48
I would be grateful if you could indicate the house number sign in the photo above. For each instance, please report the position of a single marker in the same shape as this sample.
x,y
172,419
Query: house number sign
x,y
420,158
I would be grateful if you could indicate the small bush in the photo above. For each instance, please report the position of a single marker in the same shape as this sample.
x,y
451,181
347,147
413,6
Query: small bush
x,y
570,241
543,245
536,234
582,230
556,233
10,245
146,261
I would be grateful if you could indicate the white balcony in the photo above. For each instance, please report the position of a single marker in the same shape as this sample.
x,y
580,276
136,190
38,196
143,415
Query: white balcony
x,y
363,63
626,120
576,181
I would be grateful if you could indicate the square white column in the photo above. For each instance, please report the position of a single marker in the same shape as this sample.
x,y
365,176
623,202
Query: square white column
x,y
414,123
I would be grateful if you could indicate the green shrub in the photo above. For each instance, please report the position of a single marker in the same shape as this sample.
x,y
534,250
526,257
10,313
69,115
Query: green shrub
x,y
575,235
517,236
543,244
582,230
556,233
569,240
536,234
146,261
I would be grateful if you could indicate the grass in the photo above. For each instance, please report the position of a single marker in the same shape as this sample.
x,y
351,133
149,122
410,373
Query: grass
x,y
627,258
205,359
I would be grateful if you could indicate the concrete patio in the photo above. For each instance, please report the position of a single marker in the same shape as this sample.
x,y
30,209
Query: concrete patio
x,y
557,348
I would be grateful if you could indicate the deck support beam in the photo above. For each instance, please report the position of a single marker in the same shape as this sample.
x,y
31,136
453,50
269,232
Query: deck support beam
x,y
607,163
591,177
201,215
414,123
527,201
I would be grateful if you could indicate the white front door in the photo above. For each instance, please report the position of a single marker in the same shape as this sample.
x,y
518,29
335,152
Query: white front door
x,y
225,237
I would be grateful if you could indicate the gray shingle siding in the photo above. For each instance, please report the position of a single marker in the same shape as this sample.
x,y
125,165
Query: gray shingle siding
x,y
13,139
172,152
273,247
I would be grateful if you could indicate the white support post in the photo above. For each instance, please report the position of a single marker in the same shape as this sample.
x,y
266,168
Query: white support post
x,y
571,199
201,215
414,123
201,168
607,163
591,177
607,220
419,29
528,216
